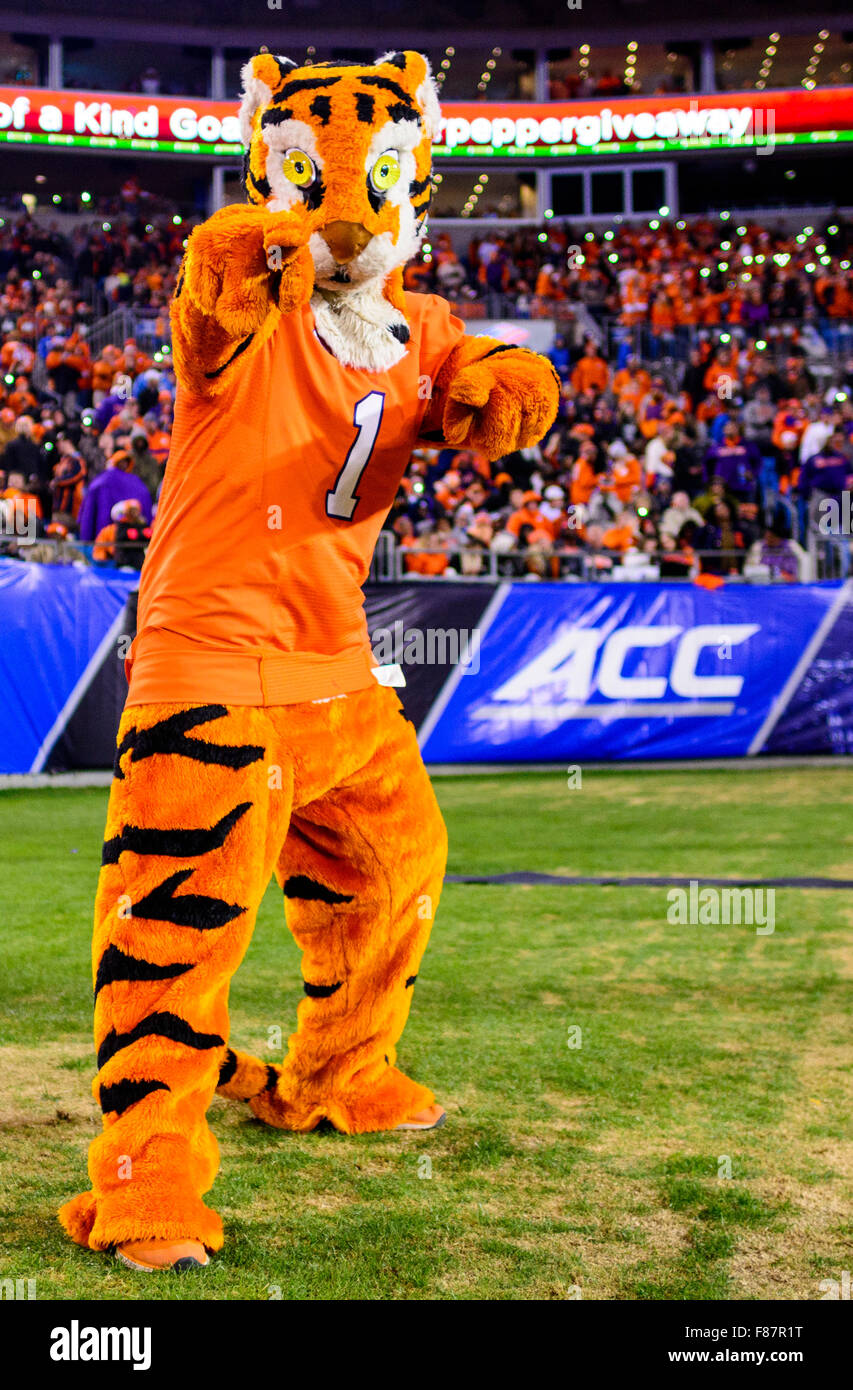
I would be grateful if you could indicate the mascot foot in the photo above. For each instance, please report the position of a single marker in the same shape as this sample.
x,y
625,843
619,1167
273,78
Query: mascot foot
x,y
153,1255
390,1103
433,1117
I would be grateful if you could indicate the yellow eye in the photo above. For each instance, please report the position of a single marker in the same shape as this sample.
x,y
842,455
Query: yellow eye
x,y
385,172
299,168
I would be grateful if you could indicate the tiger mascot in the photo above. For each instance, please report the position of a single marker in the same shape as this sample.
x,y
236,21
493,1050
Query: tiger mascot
x,y
259,735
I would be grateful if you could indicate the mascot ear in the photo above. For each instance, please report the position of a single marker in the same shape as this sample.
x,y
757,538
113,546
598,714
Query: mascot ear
x,y
414,73
262,77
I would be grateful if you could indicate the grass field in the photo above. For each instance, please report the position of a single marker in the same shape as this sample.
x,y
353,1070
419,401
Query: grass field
x,y
563,1171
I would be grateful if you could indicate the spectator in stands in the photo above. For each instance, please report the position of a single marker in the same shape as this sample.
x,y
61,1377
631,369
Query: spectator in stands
x,y
782,556
23,455
116,484
677,513
737,462
67,483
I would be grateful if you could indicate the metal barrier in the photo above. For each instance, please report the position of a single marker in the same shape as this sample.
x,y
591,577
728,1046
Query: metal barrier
x,y
827,557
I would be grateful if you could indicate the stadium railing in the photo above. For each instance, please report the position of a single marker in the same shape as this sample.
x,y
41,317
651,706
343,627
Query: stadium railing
x,y
827,557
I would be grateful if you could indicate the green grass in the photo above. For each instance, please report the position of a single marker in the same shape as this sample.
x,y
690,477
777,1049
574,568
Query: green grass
x,y
704,1051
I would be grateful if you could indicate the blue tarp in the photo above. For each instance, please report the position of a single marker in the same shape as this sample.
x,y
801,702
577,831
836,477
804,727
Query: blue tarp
x,y
56,622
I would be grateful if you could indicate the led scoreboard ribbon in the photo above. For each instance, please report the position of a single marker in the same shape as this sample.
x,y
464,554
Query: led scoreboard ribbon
x,y
531,130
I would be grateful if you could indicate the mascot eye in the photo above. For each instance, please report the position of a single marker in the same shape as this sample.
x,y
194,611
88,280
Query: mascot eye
x,y
299,168
385,172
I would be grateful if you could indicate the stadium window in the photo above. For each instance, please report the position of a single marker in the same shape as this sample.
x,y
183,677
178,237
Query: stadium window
x,y
567,195
648,189
607,193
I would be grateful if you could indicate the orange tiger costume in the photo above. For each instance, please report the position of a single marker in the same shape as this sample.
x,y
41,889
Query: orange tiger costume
x,y
256,738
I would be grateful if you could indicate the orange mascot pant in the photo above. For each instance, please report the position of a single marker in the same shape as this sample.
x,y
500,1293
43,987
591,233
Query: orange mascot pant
x,y
207,802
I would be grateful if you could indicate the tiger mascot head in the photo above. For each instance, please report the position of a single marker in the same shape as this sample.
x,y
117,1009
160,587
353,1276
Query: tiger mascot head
x,y
347,147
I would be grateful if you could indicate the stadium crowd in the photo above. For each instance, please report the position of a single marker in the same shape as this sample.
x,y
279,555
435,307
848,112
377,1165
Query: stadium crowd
x,y
701,467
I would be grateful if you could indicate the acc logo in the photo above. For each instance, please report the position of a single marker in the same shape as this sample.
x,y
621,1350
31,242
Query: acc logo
x,y
562,678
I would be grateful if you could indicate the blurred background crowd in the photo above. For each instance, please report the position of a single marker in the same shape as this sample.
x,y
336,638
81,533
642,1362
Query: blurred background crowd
x,y
705,424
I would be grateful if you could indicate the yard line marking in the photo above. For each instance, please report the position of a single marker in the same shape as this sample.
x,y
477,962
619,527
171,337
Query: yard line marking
x,y
641,881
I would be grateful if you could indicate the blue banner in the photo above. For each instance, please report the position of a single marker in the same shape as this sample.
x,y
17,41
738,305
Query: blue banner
x,y
57,623
567,672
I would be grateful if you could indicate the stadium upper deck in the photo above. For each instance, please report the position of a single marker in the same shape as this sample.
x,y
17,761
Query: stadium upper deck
x,y
550,108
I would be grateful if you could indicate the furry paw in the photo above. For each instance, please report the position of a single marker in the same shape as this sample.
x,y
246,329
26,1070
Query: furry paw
x,y
501,403
242,261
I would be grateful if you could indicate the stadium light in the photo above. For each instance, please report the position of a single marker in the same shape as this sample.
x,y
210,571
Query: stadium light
x,y
85,197
664,211
725,337
724,216
760,344
549,212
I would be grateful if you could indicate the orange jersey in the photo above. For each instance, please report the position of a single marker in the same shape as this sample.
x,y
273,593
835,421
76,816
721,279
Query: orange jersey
x,y
274,496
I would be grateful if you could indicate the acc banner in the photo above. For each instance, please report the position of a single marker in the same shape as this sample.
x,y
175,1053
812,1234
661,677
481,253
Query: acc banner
x,y
59,626
621,671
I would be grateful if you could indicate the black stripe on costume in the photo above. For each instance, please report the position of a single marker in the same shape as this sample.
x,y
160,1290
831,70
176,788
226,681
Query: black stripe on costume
x,y
388,86
314,193
321,108
308,890
228,1068
169,736
365,105
504,347
272,1078
375,199
114,965
261,185
402,111
189,910
179,286
514,347
396,60
419,186
399,331
241,347
177,844
118,1098
321,991
303,84
411,981
276,116
163,1025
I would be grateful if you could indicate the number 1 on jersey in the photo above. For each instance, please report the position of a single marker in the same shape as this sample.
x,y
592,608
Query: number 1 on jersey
x,y
342,501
